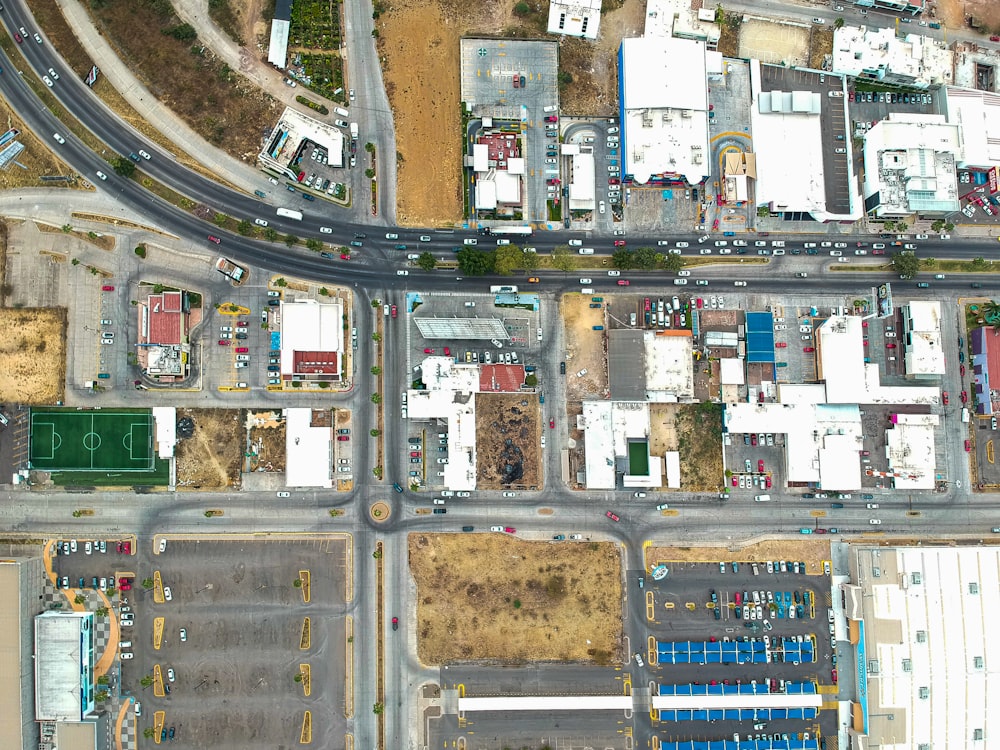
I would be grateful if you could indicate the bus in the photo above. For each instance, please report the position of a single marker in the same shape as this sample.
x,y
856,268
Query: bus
x,y
288,213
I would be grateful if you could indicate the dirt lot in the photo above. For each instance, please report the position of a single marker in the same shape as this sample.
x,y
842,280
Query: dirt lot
x,y
267,440
952,13
422,80
37,157
33,355
494,597
696,431
508,432
586,349
813,551
212,456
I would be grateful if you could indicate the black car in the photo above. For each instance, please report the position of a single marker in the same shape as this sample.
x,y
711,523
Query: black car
x,y
562,368
440,511
360,236
468,528
171,733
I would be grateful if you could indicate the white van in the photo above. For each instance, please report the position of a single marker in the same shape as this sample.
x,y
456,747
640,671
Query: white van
x,y
341,111
586,291
762,498
550,108
586,251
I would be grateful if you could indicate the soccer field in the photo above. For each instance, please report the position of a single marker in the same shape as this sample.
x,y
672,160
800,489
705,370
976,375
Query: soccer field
x,y
105,440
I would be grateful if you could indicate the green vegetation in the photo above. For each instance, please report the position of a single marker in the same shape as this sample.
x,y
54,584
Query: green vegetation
x,y
563,258
427,261
472,262
321,108
906,264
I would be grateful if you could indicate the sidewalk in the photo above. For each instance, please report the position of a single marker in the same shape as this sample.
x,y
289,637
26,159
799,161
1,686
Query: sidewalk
x,y
149,107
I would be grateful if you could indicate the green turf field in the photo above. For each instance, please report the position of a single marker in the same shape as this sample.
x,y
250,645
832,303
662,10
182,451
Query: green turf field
x,y
113,440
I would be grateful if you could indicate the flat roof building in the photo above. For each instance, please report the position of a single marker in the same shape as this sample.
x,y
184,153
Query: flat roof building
x,y
64,665
308,447
978,115
294,133
877,54
921,340
575,18
663,90
921,621
985,366
21,582
312,340
910,162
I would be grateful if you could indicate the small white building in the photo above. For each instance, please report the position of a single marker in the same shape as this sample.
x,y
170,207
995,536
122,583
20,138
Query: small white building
x,y
921,340
575,18
879,55
978,115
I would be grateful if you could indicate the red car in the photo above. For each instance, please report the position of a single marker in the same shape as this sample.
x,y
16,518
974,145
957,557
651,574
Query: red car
x,y
878,252
614,181
760,465
645,304
738,598
753,438
242,323
735,481
447,352
995,38
414,454
961,370
619,243
213,238
612,516
395,623
890,346
944,397
623,282
128,548
552,181
225,342
767,482
124,584
551,118
107,288
509,530
699,302
393,311
808,349
345,256
819,531
833,676
343,438
426,351
968,446
552,424
964,396
119,548
780,345
18,38
242,350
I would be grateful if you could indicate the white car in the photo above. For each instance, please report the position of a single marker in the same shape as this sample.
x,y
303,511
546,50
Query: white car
x,y
168,594
683,273
510,494
682,245
402,272
170,674
326,230
614,273
126,655
871,506
638,659
874,521
586,281
59,138
101,175
496,528
184,635
739,283
475,242
284,494
47,80
144,155
55,77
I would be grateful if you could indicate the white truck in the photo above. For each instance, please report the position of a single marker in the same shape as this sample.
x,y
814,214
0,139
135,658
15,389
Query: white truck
x,y
354,130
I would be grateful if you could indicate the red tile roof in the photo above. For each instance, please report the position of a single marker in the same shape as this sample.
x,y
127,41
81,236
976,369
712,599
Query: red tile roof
x,y
501,378
315,363
165,324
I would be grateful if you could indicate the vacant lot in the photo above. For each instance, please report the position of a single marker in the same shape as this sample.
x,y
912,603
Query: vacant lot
x,y
33,355
812,552
586,349
267,441
953,13
37,159
508,434
211,457
493,597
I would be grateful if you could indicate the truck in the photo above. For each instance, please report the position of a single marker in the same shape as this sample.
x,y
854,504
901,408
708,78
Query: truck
x,y
508,230
289,213
228,268
503,290
354,130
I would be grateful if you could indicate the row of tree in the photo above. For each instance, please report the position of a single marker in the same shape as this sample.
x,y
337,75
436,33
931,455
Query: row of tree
x,y
507,259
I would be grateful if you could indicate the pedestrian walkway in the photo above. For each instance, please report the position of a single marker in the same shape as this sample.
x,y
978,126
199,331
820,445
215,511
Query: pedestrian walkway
x,y
150,108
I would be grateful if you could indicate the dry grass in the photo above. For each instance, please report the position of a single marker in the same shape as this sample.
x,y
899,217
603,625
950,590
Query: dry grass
x,y
33,355
820,46
699,437
585,347
494,597
812,551
37,159
508,432
212,457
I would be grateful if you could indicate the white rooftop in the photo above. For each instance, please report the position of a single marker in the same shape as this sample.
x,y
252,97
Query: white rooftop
x,y
922,344
664,107
64,643
910,451
978,114
581,188
669,369
575,18
879,54
310,326
929,626
308,451
599,444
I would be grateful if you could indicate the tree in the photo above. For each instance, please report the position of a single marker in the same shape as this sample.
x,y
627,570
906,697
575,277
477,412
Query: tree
x,y
245,227
905,264
522,9
271,234
376,304
369,173
507,258
563,258
530,262
623,259
979,264
376,337
219,220
280,281
376,398
297,583
472,262
673,262
103,680
427,261
376,370
147,583
374,432
378,708
646,257
146,681
123,166
937,225
101,611
370,147
313,244
291,239
839,23
140,250
148,733
79,599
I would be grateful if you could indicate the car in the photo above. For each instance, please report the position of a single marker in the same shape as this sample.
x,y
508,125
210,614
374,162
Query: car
x,y
760,465
612,516
343,438
890,346
18,38
739,283
586,281
168,594
968,446
619,243
874,521
808,349
638,659
402,272
170,674
184,635
623,282
944,397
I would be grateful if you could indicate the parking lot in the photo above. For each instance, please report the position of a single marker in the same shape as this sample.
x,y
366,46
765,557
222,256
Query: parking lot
x,y
225,645
601,138
698,602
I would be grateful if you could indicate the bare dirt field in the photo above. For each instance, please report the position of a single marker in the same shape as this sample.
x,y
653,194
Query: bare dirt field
x,y
422,80
586,349
211,458
696,431
952,13
508,433
813,551
266,439
33,355
494,597
774,42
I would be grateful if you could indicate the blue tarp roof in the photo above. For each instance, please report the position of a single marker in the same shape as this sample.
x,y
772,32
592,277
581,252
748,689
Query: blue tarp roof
x,y
760,337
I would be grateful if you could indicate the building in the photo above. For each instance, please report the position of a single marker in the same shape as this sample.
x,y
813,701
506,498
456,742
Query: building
x,y
910,7
294,135
880,56
921,622
309,441
978,115
985,366
164,347
64,665
277,48
683,20
499,171
910,162
920,340
663,94
616,435
312,341
21,582
575,18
